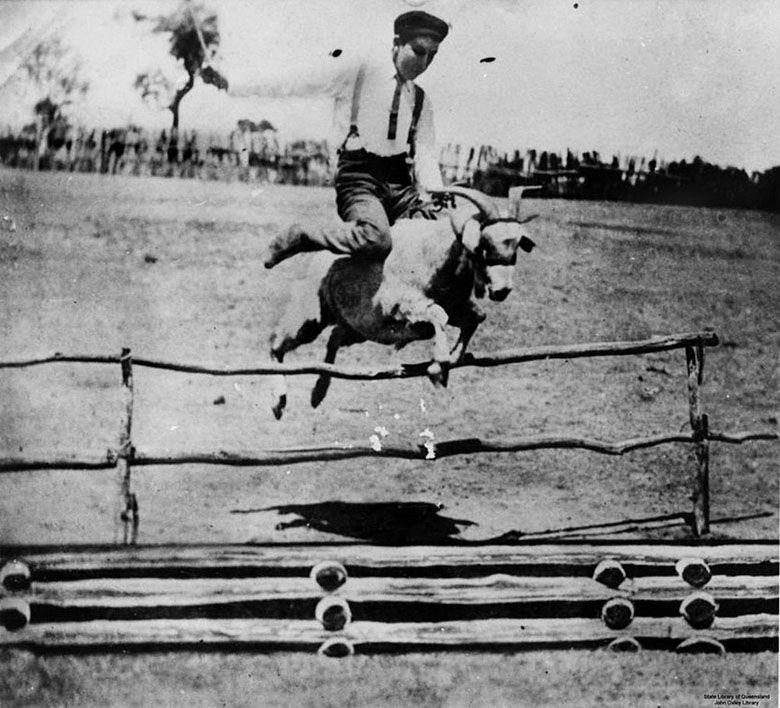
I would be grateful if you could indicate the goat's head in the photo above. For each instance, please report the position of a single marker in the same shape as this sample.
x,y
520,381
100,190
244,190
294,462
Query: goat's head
x,y
492,237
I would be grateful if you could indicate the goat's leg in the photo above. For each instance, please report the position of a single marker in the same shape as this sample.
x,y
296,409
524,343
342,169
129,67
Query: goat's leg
x,y
468,321
434,315
339,337
284,340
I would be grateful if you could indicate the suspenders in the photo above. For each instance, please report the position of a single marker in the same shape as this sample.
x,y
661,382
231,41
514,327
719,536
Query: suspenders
x,y
419,98
411,140
353,116
393,123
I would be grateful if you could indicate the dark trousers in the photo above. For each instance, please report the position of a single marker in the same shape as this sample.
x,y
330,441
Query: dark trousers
x,y
372,192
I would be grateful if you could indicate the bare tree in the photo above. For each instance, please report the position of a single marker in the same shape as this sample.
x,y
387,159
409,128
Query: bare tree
x,y
194,39
55,72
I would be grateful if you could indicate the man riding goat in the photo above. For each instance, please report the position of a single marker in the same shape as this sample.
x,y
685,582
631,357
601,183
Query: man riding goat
x,y
388,154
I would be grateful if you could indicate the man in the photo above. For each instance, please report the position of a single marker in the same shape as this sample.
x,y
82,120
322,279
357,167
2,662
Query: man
x,y
388,149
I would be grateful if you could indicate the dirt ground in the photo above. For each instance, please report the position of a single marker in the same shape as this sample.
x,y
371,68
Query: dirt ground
x,y
173,269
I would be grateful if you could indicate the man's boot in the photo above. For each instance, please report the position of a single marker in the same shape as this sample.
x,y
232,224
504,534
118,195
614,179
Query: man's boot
x,y
294,240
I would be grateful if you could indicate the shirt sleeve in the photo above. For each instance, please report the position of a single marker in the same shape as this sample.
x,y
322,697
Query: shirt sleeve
x,y
426,165
328,80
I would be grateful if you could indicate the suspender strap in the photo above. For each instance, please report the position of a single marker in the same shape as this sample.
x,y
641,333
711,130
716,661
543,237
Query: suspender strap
x,y
393,123
353,117
419,98
355,110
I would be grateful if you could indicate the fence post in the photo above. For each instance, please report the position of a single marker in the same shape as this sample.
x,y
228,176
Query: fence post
x,y
694,357
128,516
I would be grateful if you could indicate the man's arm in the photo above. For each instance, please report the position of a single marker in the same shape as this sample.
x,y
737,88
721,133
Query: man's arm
x,y
426,163
328,80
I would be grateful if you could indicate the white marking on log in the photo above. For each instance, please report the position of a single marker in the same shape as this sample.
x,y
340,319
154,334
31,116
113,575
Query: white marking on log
x,y
336,648
617,613
699,609
625,644
333,613
329,575
694,571
14,613
15,575
609,572
700,645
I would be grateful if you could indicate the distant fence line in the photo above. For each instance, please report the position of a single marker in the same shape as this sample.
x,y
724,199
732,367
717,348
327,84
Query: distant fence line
x,y
255,155
632,178
252,156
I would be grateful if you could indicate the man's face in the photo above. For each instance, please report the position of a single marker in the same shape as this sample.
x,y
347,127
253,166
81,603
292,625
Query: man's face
x,y
414,55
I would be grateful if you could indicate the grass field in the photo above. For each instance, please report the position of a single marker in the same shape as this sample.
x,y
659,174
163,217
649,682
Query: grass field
x,y
173,269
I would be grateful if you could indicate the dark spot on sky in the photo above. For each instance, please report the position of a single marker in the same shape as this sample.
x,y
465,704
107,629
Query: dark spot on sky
x,y
336,53
486,60
576,5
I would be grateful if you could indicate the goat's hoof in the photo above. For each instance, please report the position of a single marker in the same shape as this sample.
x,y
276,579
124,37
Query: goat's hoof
x,y
438,374
319,391
278,409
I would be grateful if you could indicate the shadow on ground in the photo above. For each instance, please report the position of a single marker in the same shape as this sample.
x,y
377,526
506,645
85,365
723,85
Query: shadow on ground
x,y
396,523
420,523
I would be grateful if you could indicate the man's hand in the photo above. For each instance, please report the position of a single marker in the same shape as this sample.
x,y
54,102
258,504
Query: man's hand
x,y
213,77
442,201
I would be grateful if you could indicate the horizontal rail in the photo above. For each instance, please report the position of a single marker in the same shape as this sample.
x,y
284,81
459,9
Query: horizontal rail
x,y
124,593
308,634
500,358
456,560
355,449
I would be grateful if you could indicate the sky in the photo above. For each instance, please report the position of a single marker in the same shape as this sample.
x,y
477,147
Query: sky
x,y
676,78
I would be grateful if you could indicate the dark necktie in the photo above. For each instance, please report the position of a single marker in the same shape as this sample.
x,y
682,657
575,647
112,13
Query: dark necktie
x,y
393,124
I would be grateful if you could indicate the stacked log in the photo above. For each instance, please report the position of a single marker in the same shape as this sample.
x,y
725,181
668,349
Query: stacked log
x,y
338,599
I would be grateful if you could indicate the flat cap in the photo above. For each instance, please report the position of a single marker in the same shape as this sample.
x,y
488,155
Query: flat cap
x,y
418,22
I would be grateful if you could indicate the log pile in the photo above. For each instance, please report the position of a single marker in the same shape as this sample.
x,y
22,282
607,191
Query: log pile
x,y
341,599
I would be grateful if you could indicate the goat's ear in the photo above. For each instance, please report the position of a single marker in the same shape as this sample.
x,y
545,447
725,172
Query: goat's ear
x,y
467,228
526,244
470,234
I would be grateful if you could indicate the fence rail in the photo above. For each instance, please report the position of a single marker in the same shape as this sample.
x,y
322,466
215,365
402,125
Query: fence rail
x,y
500,358
347,450
126,456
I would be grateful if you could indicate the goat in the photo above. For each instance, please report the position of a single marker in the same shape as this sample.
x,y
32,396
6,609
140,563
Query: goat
x,y
425,283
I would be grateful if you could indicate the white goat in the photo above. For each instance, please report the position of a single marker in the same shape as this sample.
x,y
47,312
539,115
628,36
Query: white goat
x,y
428,281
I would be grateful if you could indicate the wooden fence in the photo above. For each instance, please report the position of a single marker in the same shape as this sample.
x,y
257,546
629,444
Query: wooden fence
x,y
126,456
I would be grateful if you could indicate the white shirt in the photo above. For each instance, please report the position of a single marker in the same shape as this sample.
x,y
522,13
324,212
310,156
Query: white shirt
x,y
337,79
